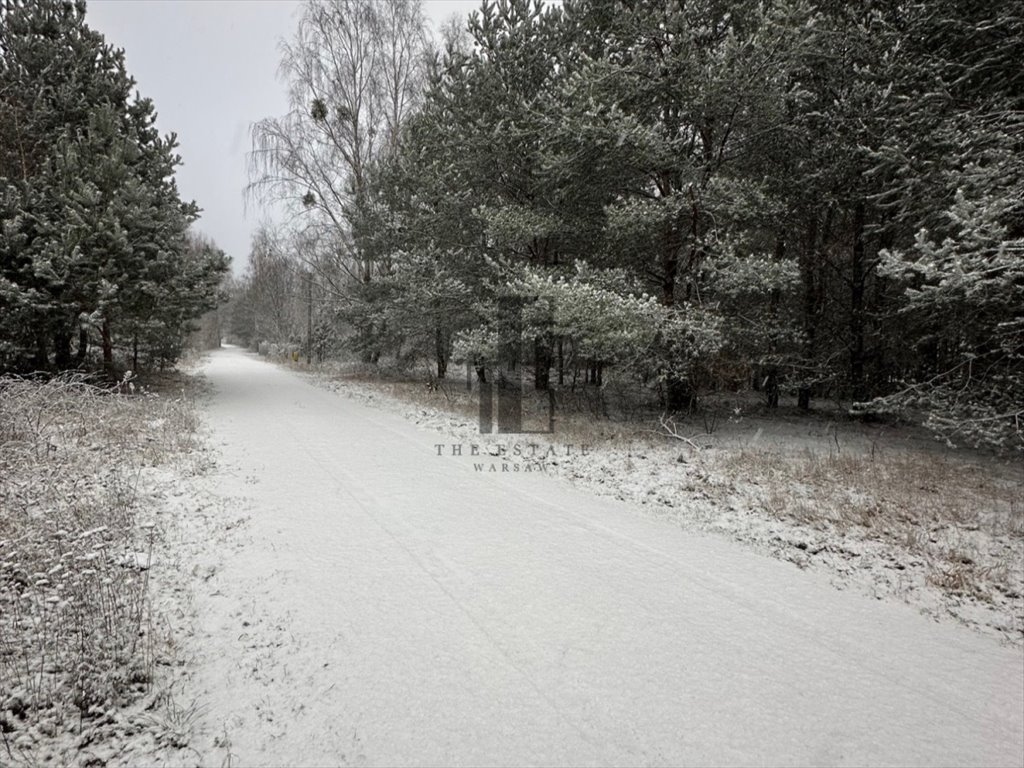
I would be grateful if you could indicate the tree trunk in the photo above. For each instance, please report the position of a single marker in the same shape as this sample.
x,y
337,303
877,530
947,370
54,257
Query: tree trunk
x,y
810,323
62,350
309,317
771,387
541,364
812,281
83,346
772,379
857,314
803,398
679,396
108,345
672,244
440,353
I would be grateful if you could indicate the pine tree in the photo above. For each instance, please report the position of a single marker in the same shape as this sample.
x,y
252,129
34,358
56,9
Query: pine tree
x,y
956,117
93,231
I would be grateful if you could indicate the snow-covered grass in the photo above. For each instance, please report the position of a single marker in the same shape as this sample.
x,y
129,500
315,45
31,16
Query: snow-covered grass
x,y
80,643
880,508
932,519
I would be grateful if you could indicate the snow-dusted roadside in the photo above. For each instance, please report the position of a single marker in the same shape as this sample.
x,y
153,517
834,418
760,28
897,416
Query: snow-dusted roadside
x,y
360,600
196,527
823,496
146,491
223,618
156,729
138,732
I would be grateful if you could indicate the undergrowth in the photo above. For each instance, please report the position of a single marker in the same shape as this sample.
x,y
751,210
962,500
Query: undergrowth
x,y
76,630
961,520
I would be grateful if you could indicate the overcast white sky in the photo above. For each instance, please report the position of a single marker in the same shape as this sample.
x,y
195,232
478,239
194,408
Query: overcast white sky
x,y
210,67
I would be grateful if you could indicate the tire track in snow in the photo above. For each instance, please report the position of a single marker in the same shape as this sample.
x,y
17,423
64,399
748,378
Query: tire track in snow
x,y
440,616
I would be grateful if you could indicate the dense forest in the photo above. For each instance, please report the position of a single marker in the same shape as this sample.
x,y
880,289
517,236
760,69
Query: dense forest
x,y
817,200
98,264
814,199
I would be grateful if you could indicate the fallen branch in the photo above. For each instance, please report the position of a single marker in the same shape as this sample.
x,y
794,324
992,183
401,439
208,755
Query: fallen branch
x,y
669,429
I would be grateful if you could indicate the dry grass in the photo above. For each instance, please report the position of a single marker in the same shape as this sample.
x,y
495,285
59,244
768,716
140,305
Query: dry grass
x,y
76,635
960,519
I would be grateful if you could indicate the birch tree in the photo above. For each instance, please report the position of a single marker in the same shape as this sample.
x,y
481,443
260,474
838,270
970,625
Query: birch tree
x,y
354,73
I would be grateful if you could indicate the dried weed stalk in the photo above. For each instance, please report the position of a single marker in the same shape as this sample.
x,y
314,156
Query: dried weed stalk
x,y
75,619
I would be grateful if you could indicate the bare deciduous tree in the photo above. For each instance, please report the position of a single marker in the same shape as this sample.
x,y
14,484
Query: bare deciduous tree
x,y
354,71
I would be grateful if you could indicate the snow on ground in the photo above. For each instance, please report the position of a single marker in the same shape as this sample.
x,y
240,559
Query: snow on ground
x,y
157,724
778,485
360,599
89,671
251,676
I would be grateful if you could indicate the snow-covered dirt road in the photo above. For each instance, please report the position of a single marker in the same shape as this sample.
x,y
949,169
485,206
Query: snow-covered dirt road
x,y
384,605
